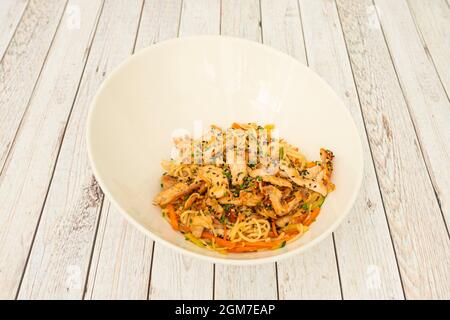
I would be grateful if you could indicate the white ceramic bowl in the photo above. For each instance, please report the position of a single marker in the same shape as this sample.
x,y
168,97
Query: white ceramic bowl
x,y
215,80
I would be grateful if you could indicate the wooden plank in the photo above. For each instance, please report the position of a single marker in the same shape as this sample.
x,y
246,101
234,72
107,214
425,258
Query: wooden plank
x,y
246,282
174,275
11,12
433,21
416,223
122,257
426,98
299,277
367,263
22,64
242,19
200,17
160,21
28,170
282,28
59,261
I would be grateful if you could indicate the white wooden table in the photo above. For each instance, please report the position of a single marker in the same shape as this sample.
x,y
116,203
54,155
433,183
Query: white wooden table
x,y
389,60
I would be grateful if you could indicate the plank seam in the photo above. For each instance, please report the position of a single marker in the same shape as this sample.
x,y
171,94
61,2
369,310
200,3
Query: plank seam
x,y
337,267
371,153
179,18
151,269
303,31
425,46
15,31
96,268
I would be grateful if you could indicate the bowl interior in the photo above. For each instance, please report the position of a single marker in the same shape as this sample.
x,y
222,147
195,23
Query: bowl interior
x,y
185,83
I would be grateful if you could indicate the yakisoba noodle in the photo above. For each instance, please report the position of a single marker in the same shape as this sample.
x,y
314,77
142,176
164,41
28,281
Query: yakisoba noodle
x,y
243,189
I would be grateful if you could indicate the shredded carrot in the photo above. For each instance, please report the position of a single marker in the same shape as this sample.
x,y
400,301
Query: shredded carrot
x,y
312,216
235,125
243,249
274,228
310,164
224,231
221,242
173,217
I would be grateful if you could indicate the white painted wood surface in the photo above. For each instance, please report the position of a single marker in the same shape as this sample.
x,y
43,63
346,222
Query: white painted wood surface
x,y
29,167
22,63
432,18
388,61
416,223
424,93
366,258
68,225
11,12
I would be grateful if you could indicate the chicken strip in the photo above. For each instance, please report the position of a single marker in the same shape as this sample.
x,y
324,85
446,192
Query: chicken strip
x,y
217,181
176,191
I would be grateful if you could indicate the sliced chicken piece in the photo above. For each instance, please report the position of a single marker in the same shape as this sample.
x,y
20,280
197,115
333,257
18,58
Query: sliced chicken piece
x,y
248,199
199,223
176,191
312,172
197,231
260,172
277,181
283,221
214,177
230,200
275,198
293,204
313,184
267,213
327,166
168,181
214,204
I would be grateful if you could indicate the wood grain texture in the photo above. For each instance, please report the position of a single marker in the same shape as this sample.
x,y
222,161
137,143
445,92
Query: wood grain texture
x,y
367,263
120,267
426,98
242,19
11,12
59,261
160,21
29,167
122,258
282,28
200,17
299,276
22,64
432,18
174,275
246,282
180,277
416,223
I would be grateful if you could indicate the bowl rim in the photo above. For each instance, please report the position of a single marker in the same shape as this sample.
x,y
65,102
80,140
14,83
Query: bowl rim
x,y
226,261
